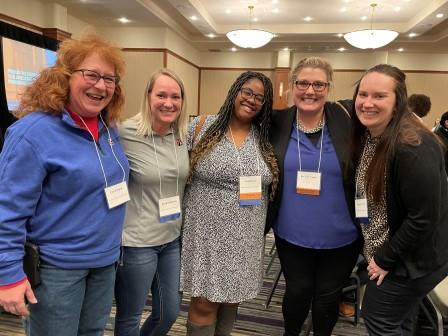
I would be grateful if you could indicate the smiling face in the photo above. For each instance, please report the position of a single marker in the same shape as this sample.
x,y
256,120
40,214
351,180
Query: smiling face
x,y
375,102
166,102
86,99
310,101
246,109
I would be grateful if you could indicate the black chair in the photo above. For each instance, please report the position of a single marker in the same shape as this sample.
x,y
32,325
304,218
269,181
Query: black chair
x,y
354,284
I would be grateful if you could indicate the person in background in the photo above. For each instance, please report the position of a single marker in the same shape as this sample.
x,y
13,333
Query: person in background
x,y
63,187
154,142
401,201
312,214
232,167
420,104
442,132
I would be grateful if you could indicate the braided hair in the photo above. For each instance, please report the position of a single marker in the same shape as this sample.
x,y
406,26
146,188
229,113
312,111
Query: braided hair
x,y
261,122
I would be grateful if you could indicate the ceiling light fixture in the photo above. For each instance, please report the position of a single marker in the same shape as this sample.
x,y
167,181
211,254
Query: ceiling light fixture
x,y
124,20
250,38
370,38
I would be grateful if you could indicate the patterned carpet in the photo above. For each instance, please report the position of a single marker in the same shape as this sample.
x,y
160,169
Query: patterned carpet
x,y
253,317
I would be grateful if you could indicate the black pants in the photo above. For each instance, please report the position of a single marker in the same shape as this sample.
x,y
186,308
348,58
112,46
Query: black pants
x,y
390,309
314,278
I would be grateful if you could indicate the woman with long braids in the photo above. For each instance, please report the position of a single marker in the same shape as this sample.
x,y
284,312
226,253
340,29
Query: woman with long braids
x,y
232,165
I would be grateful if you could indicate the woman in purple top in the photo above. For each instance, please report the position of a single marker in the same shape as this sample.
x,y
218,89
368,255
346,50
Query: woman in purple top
x,y
312,213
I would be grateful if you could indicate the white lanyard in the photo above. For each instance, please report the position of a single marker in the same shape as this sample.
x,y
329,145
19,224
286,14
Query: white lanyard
x,y
298,141
98,152
361,204
158,166
240,166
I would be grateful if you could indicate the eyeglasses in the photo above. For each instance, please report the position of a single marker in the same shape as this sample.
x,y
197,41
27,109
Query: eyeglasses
x,y
92,77
247,93
317,86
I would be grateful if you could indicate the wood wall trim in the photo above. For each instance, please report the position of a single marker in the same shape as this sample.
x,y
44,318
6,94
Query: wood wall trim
x,y
238,69
56,34
10,19
199,92
442,72
144,49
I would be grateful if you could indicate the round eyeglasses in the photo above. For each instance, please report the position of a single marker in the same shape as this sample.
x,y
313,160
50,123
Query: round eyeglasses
x,y
247,93
92,77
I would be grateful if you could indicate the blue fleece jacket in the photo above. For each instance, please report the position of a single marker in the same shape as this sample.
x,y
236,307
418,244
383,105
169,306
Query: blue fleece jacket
x,y
52,193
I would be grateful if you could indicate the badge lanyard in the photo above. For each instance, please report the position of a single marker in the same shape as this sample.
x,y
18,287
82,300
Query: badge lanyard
x,y
308,182
250,186
169,207
361,208
116,194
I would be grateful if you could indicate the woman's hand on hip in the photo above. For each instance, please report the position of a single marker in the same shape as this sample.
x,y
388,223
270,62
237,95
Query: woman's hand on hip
x,y
376,272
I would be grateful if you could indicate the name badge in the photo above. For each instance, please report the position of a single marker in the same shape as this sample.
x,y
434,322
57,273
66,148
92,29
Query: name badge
x,y
308,183
361,210
250,190
169,209
117,194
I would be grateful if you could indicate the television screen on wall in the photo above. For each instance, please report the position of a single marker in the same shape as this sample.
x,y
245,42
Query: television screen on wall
x,y
22,62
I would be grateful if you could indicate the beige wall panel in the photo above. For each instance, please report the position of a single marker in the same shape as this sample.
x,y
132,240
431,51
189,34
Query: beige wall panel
x,y
190,76
239,59
135,37
181,47
78,27
139,67
30,11
344,84
214,87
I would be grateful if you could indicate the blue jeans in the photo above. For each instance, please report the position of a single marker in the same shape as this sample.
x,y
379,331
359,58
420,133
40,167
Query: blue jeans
x,y
144,268
71,302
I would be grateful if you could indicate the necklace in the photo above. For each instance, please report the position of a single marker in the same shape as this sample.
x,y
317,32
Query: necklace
x,y
316,129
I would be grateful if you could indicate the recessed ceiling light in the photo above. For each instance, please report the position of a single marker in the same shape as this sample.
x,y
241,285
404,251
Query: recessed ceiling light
x,y
211,35
412,35
228,11
255,19
275,10
308,18
363,18
124,20
400,49
343,9
275,1
285,49
194,17
233,49
340,35
341,49
397,9
440,15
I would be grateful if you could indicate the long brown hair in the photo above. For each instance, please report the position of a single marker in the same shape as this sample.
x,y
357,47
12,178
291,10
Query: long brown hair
x,y
50,91
262,122
403,128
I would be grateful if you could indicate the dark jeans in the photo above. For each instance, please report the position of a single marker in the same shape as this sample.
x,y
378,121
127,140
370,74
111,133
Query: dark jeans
x,y
390,309
314,278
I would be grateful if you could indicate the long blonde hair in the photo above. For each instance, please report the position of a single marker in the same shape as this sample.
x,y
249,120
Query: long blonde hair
x,y
143,118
